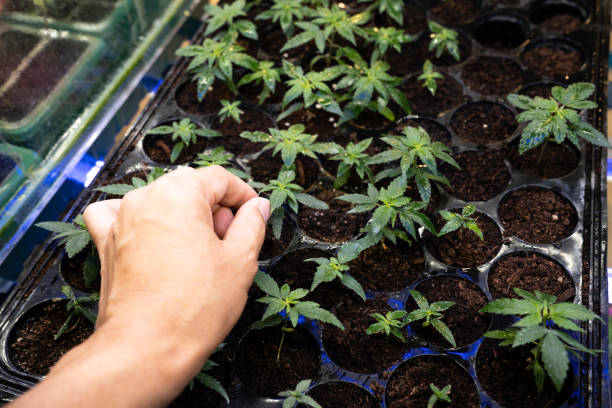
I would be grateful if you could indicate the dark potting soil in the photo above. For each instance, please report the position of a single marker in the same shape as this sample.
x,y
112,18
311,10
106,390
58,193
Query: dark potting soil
x,y
537,215
409,384
455,11
530,271
405,62
483,122
275,40
423,53
352,349
32,347
482,175
333,224
556,160
159,147
256,366
500,32
251,92
373,121
267,167
463,319
415,19
388,269
552,61
315,121
543,90
563,22
492,75
436,131
252,312
272,246
14,47
72,272
448,95
251,47
37,81
250,121
462,248
506,375
187,98
341,394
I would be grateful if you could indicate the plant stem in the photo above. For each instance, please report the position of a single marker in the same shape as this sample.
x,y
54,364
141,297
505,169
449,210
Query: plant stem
x,y
280,346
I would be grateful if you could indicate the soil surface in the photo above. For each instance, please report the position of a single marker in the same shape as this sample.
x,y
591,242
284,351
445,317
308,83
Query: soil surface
x,y
449,94
556,161
415,19
423,53
388,269
187,98
492,75
552,61
352,349
436,131
250,121
373,121
483,122
72,272
559,19
482,175
333,224
409,384
530,271
463,319
455,11
159,147
537,215
267,167
506,375
341,394
501,32
462,248
272,246
14,47
256,366
32,347
316,122
250,93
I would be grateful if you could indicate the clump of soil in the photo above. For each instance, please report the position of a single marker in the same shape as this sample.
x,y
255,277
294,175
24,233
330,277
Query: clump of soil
x,y
334,224
530,271
537,215
250,121
557,160
483,122
462,248
463,319
423,52
448,95
267,167
256,366
352,349
186,98
388,269
72,272
492,75
409,384
159,148
272,246
316,122
436,131
456,11
342,394
482,175
552,61
32,347
506,375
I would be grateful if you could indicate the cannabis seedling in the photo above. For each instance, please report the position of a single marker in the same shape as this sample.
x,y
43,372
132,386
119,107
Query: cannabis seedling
x,y
455,221
137,182
75,237
351,157
228,15
219,157
432,315
387,38
429,77
539,326
389,324
443,39
230,110
393,8
336,268
438,395
263,73
209,381
285,306
184,133
557,118
285,12
298,396
77,307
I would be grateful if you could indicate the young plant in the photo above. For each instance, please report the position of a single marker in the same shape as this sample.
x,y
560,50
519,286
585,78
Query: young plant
x,y
337,268
432,315
393,8
557,118
227,15
389,205
209,381
219,157
351,157
386,38
391,323
283,191
137,182
455,221
230,110
298,396
75,237
542,317
417,156
429,77
263,73
285,13
184,133
285,306
438,395
78,307
443,39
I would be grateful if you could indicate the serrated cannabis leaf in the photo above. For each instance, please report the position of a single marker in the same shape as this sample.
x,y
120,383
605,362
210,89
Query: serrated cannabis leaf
x,y
432,315
429,77
77,308
454,221
443,39
352,157
298,396
183,133
331,268
122,189
438,395
230,110
389,324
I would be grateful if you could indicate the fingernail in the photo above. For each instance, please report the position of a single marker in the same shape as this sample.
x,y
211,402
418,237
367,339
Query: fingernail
x,y
264,208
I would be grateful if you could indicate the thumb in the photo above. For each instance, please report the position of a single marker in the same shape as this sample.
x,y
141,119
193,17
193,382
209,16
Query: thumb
x,y
99,217
247,231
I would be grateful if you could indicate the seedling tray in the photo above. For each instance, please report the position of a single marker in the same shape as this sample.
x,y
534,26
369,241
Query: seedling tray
x,y
581,254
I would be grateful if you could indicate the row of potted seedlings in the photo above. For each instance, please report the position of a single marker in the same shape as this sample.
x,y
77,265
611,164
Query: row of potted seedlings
x,y
380,281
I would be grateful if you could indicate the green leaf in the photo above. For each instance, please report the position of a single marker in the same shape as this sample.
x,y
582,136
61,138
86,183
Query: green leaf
x,y
572,311
555,360
213,384
443,329
510,307
311,201
420,300
354,285
313,311
267,284
91,269
528,335
538,376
